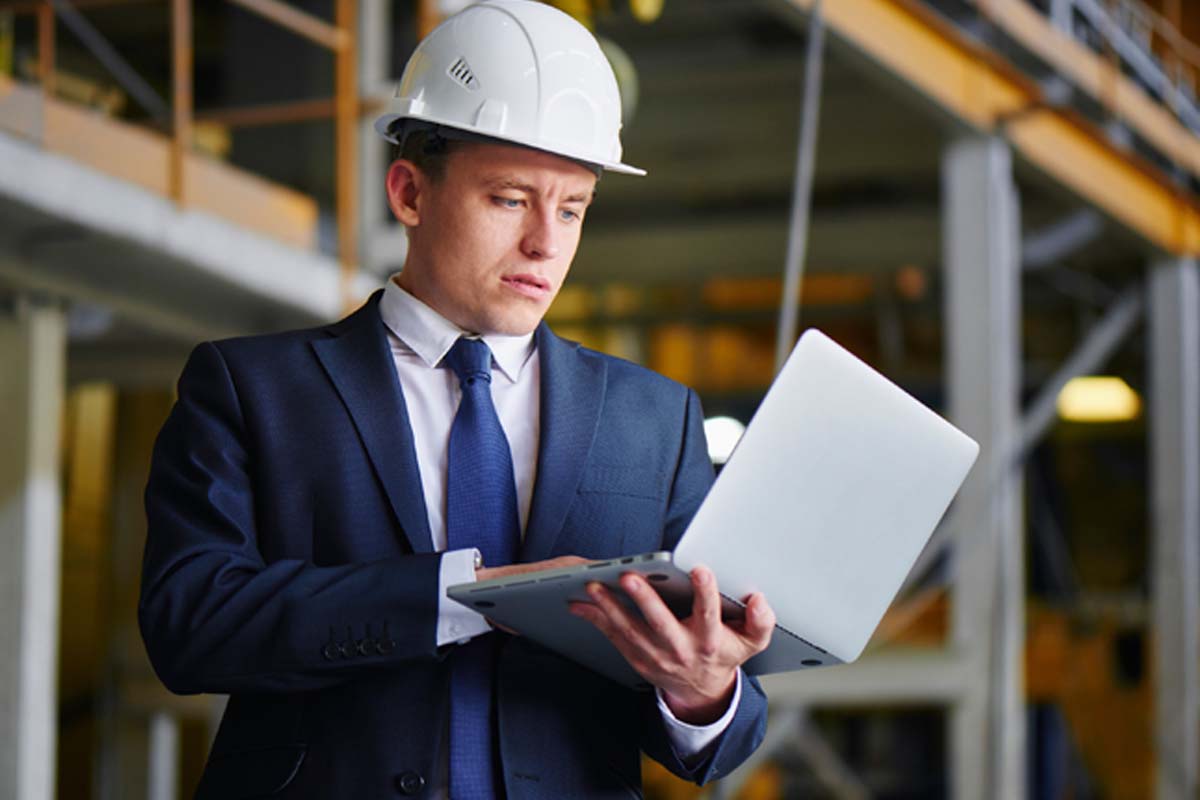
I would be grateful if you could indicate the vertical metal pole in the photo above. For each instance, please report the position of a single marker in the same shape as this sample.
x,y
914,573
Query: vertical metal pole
x,y
981,230
181,101
346,142
162,781
1174,360
33,352
806,153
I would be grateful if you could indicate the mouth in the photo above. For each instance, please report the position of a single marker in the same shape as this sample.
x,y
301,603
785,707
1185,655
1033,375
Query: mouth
x,y
528,285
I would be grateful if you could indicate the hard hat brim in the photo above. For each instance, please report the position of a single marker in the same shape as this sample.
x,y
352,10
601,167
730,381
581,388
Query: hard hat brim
x,y
386,123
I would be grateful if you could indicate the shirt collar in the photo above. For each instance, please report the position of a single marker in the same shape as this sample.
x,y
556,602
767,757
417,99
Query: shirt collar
x,y
430,335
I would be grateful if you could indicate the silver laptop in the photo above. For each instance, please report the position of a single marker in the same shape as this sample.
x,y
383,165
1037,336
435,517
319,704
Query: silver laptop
x,y
824,505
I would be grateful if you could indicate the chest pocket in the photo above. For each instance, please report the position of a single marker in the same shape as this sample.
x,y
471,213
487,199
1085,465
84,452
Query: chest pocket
x,y
618,510
629,481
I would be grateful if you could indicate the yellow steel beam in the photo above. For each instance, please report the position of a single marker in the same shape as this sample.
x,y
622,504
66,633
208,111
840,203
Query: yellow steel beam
x,y
984,91
1099,77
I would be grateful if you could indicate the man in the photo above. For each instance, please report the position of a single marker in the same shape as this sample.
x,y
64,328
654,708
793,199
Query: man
x,y
314,493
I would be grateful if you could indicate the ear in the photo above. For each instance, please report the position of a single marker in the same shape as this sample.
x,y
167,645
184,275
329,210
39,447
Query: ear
x,y
405,182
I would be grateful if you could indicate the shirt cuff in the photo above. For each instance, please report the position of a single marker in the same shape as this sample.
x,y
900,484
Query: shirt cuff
x,y
455,622
693,743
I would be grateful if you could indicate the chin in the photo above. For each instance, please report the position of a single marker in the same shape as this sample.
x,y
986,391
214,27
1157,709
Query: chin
x,y
517,328
507,325
516,321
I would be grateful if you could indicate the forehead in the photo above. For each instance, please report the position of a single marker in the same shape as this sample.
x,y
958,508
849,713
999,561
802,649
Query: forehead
x,y
487,163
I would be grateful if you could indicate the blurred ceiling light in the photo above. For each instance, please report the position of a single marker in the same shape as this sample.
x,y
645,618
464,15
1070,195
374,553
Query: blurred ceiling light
x,y
1098,399
723,434
646,11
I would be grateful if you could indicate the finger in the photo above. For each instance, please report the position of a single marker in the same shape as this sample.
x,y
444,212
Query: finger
x,y
668,632
500,627
706,610
620,639
487,573
619,622
759,624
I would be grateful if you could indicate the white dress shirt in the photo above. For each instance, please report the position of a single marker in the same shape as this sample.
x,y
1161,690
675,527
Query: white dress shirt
x,y
419,338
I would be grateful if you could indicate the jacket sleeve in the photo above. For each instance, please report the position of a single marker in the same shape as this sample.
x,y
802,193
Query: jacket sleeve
x,y
693,478
215,616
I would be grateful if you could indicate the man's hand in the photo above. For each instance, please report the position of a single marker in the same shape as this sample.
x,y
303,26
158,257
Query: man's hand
x,y
694,661
486,573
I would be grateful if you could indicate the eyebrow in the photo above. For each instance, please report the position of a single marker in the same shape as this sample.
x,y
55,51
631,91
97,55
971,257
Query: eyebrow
x,y
528,188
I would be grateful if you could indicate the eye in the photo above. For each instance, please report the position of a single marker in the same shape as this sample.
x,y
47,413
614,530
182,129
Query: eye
x,y
508,202
567,215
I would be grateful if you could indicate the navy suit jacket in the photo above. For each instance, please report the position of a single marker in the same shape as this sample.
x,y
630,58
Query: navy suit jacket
x,y
289,564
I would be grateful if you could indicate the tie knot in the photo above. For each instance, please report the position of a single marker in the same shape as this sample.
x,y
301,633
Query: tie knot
x,y
470,359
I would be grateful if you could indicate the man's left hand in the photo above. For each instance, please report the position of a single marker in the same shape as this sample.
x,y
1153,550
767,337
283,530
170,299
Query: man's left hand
x,y
694,661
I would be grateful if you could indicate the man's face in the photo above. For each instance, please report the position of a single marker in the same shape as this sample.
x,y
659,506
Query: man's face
x,y
494,238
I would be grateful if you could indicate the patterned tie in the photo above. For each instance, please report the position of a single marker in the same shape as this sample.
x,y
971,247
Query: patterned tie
x,y
481,511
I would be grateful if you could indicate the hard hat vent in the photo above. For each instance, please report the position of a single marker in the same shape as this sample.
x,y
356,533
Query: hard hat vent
x,y
460,71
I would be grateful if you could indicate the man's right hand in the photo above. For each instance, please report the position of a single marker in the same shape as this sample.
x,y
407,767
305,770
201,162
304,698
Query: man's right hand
x,y
487,573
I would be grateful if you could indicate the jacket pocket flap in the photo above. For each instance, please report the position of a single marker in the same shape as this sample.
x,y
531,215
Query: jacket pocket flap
x,y
629,481
245,774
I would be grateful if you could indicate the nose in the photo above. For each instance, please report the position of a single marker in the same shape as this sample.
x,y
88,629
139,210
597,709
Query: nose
x,y
540,241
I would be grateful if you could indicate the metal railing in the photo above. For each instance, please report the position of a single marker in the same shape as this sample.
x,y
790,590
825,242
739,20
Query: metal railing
x,y
1147,46
177,115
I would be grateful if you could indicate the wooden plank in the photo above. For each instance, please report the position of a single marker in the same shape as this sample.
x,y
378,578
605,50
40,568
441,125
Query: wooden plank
x,y
142,157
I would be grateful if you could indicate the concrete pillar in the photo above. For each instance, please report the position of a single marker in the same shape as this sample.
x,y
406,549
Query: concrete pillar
x,y
1174,429
981,254
32,369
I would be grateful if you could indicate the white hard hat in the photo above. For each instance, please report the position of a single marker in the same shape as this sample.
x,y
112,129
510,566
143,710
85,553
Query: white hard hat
x,y
518,71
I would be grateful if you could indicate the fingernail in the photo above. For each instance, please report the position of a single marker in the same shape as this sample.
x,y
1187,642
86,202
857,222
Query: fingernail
x,y
701,575
632,586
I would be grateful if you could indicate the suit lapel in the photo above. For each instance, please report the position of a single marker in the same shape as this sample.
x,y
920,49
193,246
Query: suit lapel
x,y
572,395
359,363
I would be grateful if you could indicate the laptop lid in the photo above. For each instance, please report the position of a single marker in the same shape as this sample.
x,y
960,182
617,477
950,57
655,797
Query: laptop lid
x,y
834,489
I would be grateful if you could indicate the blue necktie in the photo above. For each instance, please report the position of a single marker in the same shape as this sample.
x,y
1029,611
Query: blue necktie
x,y
481,512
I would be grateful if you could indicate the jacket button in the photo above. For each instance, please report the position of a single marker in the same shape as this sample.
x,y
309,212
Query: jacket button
x,y
330,651
410,782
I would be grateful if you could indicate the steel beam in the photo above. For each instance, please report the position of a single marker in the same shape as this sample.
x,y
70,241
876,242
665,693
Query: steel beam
x,y
33,352
1049,245
1174,361
909,40
982,244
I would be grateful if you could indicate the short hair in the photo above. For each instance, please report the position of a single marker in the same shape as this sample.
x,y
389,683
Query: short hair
x,y
427,149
